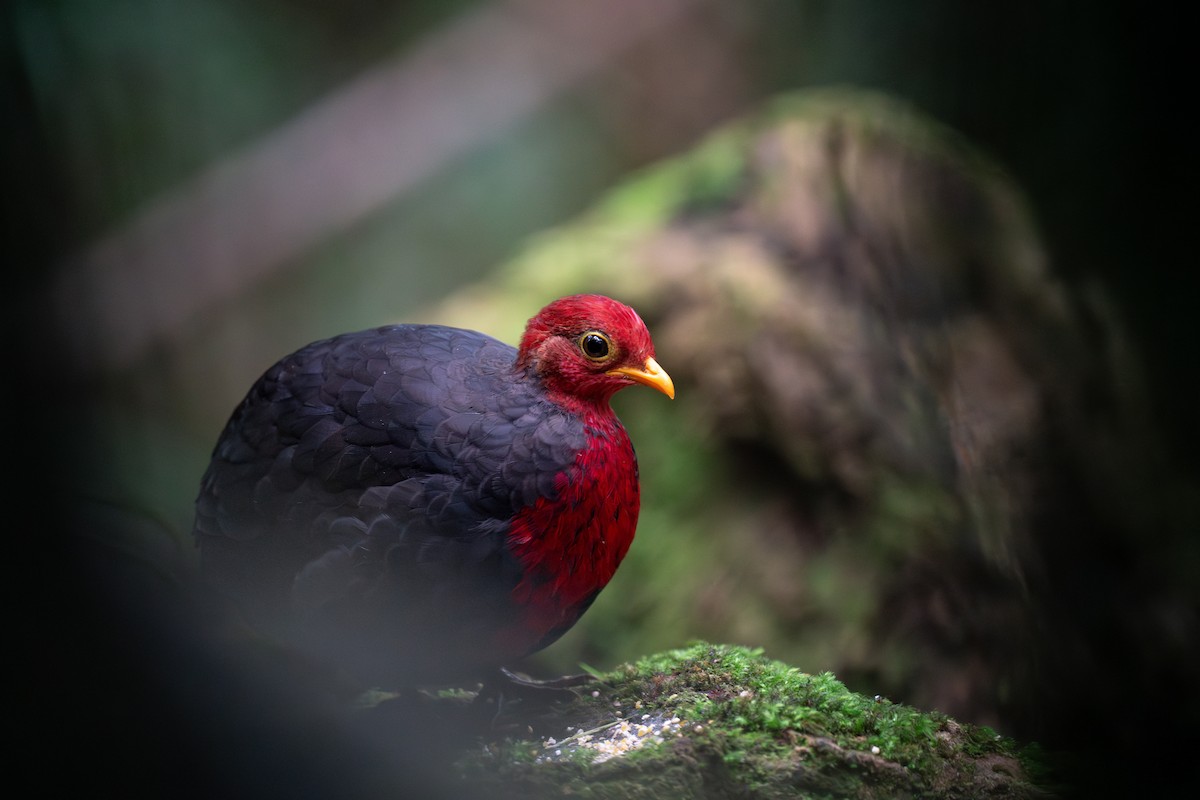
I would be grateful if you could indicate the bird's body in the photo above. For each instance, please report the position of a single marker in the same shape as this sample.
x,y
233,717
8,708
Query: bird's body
x,y
419,503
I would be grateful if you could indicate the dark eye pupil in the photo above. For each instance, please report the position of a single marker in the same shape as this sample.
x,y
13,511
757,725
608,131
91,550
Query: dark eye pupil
x,y
595,346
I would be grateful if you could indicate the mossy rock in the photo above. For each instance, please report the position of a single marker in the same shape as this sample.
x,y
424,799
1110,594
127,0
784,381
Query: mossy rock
x,y
720,721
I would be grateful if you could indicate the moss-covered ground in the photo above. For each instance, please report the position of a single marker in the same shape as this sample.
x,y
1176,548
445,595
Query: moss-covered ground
x,y
717,721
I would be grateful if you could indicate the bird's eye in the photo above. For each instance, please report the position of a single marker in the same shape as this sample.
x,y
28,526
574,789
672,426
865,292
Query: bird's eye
x,y
595,345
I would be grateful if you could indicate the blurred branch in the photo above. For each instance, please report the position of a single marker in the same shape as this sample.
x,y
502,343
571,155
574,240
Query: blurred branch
x,y
253,212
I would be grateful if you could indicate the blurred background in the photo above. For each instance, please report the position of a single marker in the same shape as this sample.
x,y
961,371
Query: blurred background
x,y
195,187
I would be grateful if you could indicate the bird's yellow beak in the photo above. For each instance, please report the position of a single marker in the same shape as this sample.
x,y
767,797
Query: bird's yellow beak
x,y
649,374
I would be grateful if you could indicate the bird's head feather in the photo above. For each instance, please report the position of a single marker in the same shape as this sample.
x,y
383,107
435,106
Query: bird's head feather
x,y
587,347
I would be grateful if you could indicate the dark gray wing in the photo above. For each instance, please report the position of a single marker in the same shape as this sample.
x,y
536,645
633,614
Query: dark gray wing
x,y
367,482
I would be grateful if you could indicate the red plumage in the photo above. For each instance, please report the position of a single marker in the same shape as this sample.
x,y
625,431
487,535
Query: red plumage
x,y
421,504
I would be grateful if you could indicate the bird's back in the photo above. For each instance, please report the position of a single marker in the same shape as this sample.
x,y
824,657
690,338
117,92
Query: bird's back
x,y
360,498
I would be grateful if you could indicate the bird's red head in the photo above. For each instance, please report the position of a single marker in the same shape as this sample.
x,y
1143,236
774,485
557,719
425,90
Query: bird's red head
x,y
586,347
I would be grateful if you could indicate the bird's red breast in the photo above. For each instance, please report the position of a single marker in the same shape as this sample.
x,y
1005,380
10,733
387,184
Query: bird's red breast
x,y
418,502
571,547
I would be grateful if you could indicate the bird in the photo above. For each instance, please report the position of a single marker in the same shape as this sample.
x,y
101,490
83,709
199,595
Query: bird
x,y
420,504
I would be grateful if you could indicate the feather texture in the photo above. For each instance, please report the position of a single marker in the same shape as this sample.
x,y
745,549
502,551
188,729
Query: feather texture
x,y
418,503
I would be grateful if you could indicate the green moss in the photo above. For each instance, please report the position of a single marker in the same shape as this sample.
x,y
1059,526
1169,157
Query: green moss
x,y
768,705
759,728
705,179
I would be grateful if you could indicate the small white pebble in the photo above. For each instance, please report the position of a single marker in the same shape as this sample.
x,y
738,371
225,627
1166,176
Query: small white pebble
x,y
875,749
595,692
